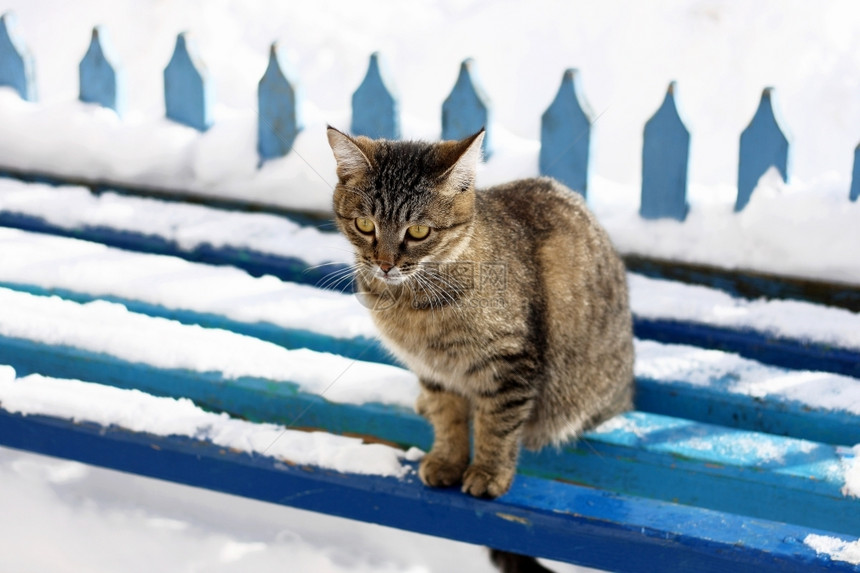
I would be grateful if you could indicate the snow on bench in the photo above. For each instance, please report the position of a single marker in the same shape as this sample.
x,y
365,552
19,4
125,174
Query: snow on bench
x,y
793,334
758,456
648,454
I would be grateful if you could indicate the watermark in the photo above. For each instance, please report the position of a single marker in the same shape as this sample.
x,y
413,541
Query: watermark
x,y
438,285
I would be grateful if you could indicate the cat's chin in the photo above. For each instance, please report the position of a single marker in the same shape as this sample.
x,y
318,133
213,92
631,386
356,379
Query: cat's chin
x,y
391,280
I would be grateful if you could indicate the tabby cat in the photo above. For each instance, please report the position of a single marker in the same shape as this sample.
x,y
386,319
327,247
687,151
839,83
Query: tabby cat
x,y
509,303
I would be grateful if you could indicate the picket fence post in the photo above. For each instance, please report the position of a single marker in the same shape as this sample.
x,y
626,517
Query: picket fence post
x,y
665,158
101,79
17,69
375,109
467,109
763,145
565,135
187,86
279,99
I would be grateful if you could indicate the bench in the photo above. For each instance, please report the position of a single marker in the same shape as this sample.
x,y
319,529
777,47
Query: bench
x,y
715,470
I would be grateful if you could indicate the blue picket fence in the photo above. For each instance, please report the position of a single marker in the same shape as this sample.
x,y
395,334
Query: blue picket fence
x,y
566,125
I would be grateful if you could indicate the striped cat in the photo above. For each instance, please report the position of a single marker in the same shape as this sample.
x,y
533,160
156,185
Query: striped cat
x,y
510,303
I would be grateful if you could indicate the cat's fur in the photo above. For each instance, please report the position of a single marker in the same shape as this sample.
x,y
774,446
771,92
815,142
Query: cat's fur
x,y
513,311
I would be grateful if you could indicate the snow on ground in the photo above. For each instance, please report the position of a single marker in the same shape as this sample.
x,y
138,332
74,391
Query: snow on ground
x,y
69,517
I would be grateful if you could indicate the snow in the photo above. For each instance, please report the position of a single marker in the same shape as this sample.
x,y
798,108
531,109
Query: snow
x,y
140,412
681,364
851,470
722,54
738,448
103,521
662,299
92,268
109,328
716,53
188,226
193,225
835,548
53,262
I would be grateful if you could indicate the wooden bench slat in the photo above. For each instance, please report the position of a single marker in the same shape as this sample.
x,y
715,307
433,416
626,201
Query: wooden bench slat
x,y
541,517
714,403
651,456
761,346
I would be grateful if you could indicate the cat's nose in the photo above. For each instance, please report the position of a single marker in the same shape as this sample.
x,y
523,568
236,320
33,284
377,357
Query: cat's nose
x,y
385,267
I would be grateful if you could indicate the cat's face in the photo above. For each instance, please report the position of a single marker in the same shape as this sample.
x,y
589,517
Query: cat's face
x,y
403,205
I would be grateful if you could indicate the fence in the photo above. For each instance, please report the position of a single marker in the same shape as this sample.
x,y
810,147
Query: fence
x,y
565,126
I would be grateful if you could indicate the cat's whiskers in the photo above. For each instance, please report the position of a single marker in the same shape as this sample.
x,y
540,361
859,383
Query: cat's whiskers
x,y
319,266
333,280
435,290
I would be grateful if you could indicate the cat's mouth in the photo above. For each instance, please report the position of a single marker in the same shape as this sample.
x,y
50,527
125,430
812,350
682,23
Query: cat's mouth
x,y
393,276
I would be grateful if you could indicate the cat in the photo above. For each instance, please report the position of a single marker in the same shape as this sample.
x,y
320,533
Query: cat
x,y
510,303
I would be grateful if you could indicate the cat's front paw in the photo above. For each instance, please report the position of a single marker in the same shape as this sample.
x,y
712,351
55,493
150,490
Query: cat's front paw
x,y
439,471
487,481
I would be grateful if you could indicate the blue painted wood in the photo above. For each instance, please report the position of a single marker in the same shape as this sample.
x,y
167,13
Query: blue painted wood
x,y
779,352
467,109
855,177
765,348
712,403
279,108
665,157
763,145
565,135
17,69
748,284
648,455
187,86
101,79
358,348
375,109
540,517
254,262
709,404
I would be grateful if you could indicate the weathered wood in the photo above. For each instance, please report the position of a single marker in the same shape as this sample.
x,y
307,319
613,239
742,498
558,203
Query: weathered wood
x,y
101,79
187,86
375,109
279,100
662,457
855,177
17,69
541,517
565,137
467,109
763,145
665,156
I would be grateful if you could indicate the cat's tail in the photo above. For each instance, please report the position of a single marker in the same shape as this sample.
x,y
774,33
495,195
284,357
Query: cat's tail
x,y
507,562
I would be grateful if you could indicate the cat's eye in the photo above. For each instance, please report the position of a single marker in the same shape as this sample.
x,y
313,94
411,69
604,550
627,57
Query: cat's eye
x,y
364,225
418,232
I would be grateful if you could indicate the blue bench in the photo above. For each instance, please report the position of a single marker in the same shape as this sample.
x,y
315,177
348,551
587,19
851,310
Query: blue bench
x,y
698,478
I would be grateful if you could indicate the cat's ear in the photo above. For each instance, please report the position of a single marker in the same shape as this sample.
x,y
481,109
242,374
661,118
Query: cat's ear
x,y
461,162
351,159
